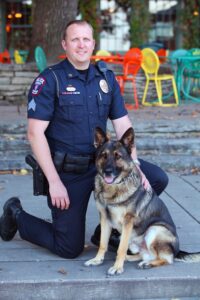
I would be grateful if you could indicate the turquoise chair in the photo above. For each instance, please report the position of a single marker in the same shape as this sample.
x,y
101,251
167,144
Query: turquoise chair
x,y
176,54
191,74
40,59
194,51
177,65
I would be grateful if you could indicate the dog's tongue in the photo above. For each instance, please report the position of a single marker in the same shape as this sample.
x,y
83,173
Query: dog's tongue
x,y
109,179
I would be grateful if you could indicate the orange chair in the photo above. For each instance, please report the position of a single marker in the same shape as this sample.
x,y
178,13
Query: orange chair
x,y
131,65
162,55
5,57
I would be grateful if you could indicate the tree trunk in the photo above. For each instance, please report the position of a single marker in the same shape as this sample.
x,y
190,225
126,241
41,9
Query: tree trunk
x,y
49,20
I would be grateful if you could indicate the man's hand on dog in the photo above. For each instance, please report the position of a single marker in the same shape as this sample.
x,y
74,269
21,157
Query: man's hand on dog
x,y
145,181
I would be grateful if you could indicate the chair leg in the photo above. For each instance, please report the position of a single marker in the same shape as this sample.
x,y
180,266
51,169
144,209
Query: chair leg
x,y
188,93
175,91
135,94
159,91
135,99
121,84
145,93
187,85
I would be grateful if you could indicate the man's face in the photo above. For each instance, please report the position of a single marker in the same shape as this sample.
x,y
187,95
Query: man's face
x,y
79,44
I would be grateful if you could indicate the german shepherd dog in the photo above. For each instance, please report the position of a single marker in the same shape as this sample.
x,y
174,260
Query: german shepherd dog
x,y
141,217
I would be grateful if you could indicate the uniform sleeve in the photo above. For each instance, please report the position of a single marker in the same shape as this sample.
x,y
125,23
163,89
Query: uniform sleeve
x,y
42,96
118,109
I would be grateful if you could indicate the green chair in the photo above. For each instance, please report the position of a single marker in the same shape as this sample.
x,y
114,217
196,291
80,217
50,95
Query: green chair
x,y
40,58
176,65
24,54
191,75
173,58
194,51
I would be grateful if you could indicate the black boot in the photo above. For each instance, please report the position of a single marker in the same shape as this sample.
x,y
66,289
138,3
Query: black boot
x,y
113,241
8,225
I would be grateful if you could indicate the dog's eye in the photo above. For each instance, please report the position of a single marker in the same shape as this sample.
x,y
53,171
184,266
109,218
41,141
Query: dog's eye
x,y
117,155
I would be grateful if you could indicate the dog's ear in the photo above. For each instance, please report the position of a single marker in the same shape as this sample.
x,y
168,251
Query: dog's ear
x,y
100,137
128,139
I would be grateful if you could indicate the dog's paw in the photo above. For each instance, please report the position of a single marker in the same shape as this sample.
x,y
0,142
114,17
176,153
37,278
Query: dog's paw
x,y
144,265
93,262
115,270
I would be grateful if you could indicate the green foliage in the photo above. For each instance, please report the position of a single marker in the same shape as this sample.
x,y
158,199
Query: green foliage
x,y
125,4
138,17
139,22
190,20
89,12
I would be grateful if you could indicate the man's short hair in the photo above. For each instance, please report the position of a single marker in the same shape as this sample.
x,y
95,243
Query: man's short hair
x,y
78,22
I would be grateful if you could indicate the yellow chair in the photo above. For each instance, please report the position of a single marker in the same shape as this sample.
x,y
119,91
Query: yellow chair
x,y
150,65
18,58
102,52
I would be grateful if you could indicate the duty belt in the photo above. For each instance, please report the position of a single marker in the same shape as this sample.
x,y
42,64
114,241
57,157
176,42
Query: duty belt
x,y
71,163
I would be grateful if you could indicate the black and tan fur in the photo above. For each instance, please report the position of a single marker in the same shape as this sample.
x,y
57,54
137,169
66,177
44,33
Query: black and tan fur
x,y
141,217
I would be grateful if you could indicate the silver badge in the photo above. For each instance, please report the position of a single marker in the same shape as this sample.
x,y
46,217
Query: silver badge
x,y
103,85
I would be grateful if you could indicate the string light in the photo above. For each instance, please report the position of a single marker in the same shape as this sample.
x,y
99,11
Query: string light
x,y
18,15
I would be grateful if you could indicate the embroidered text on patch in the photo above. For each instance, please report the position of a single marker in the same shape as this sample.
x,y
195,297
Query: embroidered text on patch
x,y
39,83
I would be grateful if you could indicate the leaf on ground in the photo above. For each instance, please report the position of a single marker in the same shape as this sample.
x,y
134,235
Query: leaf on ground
x,y
62,271
194,114
23,172
4,172
195,171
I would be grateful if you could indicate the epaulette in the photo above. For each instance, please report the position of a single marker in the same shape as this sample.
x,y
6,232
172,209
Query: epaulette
x,y
102,67
56,78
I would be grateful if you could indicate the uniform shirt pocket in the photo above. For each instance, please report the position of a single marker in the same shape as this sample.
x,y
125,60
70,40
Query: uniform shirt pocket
x,y
104,101
71,106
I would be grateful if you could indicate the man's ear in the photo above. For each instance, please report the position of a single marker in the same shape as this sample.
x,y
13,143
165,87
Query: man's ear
x,y
128,139
64,45
100,137
94,43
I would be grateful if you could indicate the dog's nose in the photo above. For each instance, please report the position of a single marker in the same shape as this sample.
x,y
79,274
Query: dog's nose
x,y
108,171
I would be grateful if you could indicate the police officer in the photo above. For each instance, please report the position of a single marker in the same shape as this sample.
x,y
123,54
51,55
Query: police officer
x,y
66,102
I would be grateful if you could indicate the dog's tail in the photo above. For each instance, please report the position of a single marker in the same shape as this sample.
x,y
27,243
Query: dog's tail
x,y
188,257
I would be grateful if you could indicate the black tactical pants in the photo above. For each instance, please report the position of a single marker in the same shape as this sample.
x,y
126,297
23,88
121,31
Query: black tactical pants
x,y
65,236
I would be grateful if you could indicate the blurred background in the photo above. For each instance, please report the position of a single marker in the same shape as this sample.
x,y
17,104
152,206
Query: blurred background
x,y
119,24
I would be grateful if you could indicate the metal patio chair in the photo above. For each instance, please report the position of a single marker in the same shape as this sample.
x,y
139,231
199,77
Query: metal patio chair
x,y
150,65
131,65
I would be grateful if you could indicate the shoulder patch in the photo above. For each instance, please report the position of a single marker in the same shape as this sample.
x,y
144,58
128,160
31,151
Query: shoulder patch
x,y
38,84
